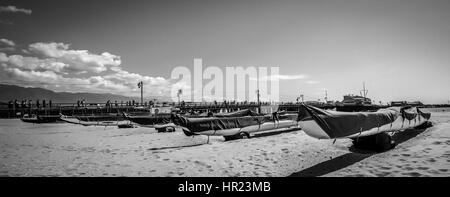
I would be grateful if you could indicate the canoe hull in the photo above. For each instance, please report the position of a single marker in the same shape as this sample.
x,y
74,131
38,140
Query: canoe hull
x,y
230,126
42,119
285,124
74,120
322,124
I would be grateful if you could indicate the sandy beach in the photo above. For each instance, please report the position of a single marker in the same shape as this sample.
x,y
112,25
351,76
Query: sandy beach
x,y
72,150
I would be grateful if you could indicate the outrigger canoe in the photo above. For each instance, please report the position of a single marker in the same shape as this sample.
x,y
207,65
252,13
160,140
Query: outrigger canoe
x,y
101,117
368,130
231,127
151,120
75,120
323,124
38,119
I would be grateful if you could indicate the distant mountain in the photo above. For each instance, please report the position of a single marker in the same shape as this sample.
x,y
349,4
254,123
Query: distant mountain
x,y
12,92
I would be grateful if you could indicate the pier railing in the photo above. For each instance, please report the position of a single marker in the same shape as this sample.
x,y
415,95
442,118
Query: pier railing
x,y
69,109
16,111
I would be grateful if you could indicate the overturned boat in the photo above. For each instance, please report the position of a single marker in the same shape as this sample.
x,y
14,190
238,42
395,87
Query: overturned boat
x,y
241,124
363,127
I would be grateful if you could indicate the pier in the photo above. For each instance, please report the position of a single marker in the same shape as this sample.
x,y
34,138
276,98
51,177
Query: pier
x,y
17,111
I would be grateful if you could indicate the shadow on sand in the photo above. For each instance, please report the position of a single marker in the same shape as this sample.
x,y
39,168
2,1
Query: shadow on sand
x,y
255,136
348,159
175,147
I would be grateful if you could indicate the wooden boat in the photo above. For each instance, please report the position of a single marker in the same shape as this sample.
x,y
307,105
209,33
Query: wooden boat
x,y
39,119
242,124
100,117
126,126
149,120
80,121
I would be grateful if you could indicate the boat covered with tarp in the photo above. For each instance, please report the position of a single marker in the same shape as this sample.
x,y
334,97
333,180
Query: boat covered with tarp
x,y
243,122
324,124
100,117
239,113
37,119
92,121
149,120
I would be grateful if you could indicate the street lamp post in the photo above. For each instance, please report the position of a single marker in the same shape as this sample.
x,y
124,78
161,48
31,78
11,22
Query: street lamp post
x,y
180,92
141,86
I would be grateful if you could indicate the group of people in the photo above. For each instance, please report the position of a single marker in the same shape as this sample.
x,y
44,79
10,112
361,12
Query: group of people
x,y
29,104
233,102
109,103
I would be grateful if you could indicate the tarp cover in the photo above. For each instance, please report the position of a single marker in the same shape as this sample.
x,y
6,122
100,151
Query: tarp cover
x,y
42,119
245,112
342,124
222,123
155,119
150,119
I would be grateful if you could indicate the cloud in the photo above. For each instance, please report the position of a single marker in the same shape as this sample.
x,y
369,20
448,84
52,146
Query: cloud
x,y
7,42
79,61
31,75
7,49
33,63
95,83
156,85
280,77
14,9
57,67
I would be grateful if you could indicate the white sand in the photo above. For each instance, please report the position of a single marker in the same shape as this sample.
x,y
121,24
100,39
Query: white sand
x,y
74,150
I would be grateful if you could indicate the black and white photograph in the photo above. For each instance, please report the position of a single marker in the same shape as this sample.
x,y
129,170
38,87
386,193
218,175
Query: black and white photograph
x,y
225,88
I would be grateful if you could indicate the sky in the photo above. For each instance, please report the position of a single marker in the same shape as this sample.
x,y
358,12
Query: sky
x,y
399,48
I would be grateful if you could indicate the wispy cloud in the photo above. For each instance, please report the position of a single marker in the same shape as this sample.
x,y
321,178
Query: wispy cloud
x,y
76,60
55,66
14,9
7,42
280,77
